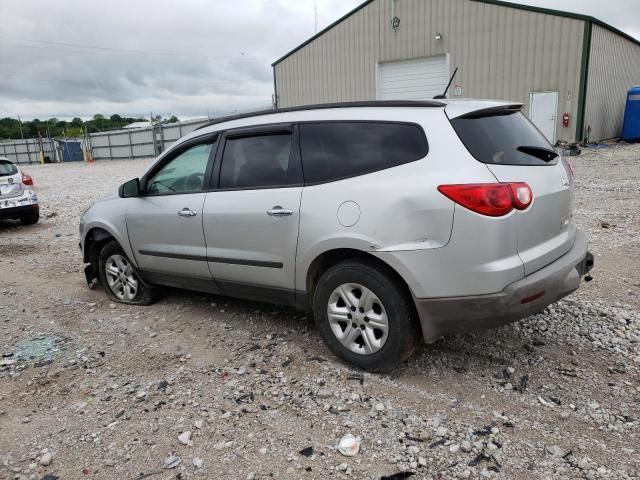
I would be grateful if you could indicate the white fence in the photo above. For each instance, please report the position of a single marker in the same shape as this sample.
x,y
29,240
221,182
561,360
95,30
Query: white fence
x,y
139,142
112,145
28,150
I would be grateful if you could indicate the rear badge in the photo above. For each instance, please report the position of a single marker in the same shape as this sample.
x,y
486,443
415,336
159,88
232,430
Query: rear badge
x,y
10,180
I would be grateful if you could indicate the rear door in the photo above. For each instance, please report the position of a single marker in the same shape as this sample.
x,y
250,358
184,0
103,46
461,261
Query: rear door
x,y
515,151
251,220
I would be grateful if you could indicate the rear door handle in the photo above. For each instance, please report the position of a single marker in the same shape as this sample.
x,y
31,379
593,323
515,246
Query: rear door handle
x,y
278,211
186,212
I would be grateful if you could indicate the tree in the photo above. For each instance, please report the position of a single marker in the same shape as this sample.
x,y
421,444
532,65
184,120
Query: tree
x,y
116,118
173,119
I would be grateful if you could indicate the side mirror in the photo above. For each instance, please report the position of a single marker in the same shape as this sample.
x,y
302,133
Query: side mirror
x,y
129,189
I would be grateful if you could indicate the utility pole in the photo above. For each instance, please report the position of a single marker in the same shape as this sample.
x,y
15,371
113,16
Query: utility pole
x,y
315,13
20,121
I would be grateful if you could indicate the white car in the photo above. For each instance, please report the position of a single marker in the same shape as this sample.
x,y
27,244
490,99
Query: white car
x,y
18,200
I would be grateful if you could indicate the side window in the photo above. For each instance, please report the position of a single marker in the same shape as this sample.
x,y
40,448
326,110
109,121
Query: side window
x,y
256,162
335,150
184,173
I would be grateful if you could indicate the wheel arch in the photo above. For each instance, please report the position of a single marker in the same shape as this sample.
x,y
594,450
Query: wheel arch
x,y
322,262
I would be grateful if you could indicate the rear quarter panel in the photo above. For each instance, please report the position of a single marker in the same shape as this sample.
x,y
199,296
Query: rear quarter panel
x,y
400,208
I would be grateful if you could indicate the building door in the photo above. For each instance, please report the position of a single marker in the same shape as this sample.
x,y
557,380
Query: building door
x,y
416,79
543,109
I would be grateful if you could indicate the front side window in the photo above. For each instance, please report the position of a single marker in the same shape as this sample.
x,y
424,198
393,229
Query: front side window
x,y
183,174
335,150
260,161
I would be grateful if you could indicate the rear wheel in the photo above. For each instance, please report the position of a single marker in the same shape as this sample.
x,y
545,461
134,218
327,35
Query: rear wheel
x,y
365,315
30,218
119,278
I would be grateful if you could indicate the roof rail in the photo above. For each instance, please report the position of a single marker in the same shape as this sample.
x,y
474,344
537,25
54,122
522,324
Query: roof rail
x,y
324,106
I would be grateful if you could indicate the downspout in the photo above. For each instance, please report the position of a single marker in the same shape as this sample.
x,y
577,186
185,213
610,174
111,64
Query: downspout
x,y
275,89
584,78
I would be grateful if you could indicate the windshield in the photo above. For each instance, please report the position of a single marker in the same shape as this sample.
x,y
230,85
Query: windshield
x,y
7,168
504,138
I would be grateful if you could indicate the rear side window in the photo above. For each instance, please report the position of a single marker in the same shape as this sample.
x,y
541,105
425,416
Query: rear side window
x,y
505,138
335,150
7,169
256,162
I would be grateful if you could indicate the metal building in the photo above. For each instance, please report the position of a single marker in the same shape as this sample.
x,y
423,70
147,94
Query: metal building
x,y
553,62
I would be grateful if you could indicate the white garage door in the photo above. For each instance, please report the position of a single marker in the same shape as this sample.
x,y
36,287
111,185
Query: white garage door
x,y
419,79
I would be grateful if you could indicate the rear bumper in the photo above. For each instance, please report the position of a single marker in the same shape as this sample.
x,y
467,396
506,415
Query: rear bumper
x,y
17,212
441,316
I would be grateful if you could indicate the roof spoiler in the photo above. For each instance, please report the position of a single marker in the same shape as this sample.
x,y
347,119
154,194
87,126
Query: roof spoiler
x,y
488,112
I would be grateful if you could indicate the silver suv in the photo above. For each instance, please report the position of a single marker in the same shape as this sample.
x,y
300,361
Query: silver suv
x,y
389,221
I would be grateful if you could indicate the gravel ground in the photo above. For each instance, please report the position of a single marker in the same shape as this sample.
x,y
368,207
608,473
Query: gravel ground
x,y
200,386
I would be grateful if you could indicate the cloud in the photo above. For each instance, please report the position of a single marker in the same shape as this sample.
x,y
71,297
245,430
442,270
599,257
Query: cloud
x,y
189,58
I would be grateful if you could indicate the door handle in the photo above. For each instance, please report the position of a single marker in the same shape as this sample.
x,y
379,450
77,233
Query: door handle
x,y
186,212
278,211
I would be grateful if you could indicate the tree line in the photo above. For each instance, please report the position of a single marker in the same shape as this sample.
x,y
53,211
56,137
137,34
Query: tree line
x,y
12,128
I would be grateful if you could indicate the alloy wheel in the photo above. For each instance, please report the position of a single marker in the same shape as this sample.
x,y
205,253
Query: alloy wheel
x,y
358,318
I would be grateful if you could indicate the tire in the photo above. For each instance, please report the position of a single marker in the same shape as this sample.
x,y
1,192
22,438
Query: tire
x,y
377,285
30,218
113,257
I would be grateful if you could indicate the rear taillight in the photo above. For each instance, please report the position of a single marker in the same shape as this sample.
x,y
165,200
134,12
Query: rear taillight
x,y
27,180
491,199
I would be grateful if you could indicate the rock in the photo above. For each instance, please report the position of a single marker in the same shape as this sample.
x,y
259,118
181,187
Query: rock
x,y
141,395
343,467
198,424
442,431
324,393
46,459
263,451
198,462
466,446
554,450
172,461
185,438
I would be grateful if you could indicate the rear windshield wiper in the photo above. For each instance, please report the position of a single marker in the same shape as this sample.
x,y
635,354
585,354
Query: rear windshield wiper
x,y
544,154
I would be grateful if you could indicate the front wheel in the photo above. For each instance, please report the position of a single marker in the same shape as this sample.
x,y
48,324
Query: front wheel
x,y
365,315
119,278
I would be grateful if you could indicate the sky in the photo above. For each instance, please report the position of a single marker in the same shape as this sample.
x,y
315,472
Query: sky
x,y
191,58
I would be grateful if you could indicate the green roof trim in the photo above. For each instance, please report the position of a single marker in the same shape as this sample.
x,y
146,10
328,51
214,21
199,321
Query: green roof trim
x,y
584,78
323,31
548,11
561,13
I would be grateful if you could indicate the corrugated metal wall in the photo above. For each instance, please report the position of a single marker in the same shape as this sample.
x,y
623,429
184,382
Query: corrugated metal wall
x,y
503,53
614,68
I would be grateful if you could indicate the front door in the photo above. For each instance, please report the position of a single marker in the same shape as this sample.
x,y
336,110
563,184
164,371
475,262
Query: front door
x,y
543,111
251,221
165,222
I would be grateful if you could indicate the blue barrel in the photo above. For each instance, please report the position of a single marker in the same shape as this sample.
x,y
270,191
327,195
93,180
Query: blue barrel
x,y
631,125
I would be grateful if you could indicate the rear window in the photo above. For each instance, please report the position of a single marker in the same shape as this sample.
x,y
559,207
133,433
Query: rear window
x,y
335,150
499,138
7,168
